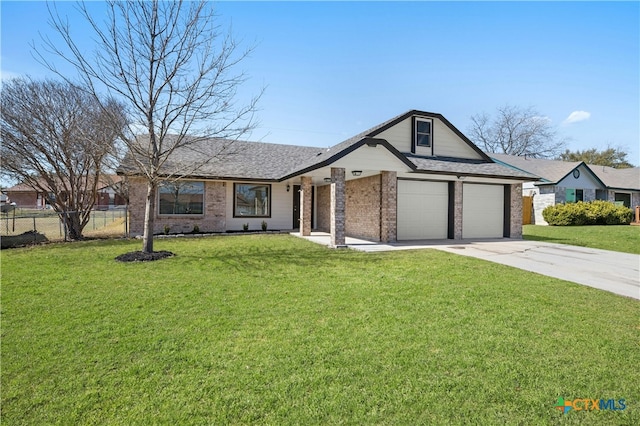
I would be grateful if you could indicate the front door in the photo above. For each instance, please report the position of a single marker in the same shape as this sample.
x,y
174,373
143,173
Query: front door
x,y
296,206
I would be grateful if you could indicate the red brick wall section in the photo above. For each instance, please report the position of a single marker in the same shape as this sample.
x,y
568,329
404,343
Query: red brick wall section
x,y
363,208
26,200
213,219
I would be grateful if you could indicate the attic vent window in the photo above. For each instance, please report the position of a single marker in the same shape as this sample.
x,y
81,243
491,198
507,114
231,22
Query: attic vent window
x,y
423,132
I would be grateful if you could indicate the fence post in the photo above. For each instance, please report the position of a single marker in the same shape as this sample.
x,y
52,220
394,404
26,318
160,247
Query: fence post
x,y
64,224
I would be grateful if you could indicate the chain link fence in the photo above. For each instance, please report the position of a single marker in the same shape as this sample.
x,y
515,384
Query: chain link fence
x,y
46,225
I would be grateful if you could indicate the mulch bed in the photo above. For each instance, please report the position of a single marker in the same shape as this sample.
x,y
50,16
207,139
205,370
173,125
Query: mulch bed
x,y
140,256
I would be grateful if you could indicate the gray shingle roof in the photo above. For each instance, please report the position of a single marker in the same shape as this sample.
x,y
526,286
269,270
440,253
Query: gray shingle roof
x,y
618,178
236,159
223,159
469,167
553,171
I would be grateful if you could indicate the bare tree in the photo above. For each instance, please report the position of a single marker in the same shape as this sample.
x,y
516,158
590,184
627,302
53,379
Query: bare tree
x,y
516,131
56,139
168,61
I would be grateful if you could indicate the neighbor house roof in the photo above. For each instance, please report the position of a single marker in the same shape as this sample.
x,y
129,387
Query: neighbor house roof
x,y
104,182
277,162
553,171
618,178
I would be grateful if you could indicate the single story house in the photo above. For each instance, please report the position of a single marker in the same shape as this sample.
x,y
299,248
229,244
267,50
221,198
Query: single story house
x,y
412,177
108,194
568,182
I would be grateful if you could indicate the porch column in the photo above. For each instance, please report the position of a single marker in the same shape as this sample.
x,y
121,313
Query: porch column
x,y
305,206
457,210
515,207
388,206
337,207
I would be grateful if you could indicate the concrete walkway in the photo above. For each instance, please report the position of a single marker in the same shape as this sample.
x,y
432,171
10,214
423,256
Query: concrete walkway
x,y
611,271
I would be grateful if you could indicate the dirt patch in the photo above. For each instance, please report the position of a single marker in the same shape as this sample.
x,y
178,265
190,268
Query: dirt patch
x,y
139,256
28,238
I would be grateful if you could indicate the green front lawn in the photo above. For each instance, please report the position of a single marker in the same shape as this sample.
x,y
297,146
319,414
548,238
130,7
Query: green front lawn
x,y
277,330
622,238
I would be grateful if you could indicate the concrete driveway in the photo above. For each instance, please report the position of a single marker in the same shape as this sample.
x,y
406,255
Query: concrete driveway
x,y
615,272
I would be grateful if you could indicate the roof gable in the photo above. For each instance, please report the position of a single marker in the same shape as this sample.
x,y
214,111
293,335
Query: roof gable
x,y
448,141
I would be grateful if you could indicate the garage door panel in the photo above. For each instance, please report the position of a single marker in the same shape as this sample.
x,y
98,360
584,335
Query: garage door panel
x,y
422,210
482,211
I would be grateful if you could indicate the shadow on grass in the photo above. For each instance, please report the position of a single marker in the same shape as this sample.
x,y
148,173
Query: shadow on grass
x,y
285,253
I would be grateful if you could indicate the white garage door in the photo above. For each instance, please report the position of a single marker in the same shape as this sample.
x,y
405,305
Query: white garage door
x,y
422,210
482,211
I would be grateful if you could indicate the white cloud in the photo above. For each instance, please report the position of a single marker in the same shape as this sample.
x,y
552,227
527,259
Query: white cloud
x,y
576,116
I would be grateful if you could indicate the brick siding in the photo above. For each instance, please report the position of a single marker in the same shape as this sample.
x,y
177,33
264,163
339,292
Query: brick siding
x,y
515,222
323,208
213,219
338,207
363,208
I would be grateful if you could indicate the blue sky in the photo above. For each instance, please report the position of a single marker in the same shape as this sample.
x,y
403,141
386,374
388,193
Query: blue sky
x,y
334,69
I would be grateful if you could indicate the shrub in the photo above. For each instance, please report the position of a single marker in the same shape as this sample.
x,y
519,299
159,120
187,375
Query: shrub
x,y
245,226
264,225
196,229
167,229
596,212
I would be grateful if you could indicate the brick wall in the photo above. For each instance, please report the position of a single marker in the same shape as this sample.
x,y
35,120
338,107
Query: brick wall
x,y
338,207
323,208
27,200
388,206
213,219
515,222
457,209
363,208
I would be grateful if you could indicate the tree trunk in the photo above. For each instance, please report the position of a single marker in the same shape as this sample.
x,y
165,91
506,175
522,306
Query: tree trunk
x,y
149,215
72,223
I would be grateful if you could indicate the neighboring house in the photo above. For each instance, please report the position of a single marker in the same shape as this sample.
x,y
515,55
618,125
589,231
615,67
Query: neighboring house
x,y
110,192
568,182
413,177
27,197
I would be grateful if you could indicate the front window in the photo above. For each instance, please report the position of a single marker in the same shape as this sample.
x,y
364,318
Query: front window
x,y
181,197
622,198
423,133
252,200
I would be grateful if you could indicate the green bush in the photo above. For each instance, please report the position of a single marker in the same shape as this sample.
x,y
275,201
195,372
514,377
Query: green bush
x,y
590,213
